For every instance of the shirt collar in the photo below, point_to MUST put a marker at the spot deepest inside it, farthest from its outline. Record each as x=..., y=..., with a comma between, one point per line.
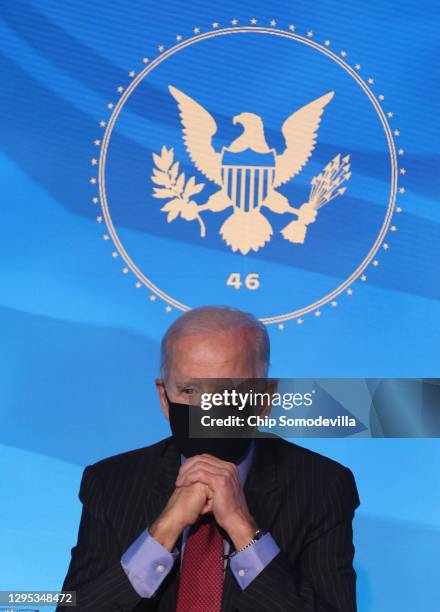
x=243, y=466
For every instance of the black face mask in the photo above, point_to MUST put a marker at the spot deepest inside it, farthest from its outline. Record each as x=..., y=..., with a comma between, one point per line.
x=216, y=440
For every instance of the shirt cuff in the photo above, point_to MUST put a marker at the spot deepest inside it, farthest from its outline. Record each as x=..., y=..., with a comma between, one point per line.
x=146, y=563
x=248, y=563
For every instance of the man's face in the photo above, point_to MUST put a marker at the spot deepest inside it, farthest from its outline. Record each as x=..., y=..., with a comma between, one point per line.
x=203, y=356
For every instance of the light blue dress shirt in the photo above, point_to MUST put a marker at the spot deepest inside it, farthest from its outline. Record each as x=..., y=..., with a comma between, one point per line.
x=147, y=563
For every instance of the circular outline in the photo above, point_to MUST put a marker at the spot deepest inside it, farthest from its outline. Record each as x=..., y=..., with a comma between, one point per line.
x=260, y=30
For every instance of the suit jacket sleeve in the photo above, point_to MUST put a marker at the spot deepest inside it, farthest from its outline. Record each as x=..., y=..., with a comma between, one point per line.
x=322, y=579
x=95, y=571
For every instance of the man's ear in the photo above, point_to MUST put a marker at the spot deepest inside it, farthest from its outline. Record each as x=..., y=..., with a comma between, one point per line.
x=162, y=397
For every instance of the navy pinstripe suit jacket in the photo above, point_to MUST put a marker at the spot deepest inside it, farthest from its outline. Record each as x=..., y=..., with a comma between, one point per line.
x=305, y=500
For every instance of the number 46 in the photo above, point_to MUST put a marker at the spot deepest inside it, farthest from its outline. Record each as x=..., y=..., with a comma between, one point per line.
x=251, y=281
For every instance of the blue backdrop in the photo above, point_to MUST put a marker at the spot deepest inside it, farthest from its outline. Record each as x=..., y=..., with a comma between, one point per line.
x=79, y=349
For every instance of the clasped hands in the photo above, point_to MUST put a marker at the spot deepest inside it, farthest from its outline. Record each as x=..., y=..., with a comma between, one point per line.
x=206, y=484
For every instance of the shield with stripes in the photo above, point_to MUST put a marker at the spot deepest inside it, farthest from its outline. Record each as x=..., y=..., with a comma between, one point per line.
x=247, y=177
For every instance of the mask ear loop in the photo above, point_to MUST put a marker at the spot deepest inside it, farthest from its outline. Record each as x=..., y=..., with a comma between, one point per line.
x=167, y=396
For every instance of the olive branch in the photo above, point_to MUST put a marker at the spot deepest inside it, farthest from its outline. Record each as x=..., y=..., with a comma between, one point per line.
x=173, y=185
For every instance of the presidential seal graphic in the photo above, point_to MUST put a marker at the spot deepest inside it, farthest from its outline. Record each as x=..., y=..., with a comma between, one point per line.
x=248, y=173
x=249, y=164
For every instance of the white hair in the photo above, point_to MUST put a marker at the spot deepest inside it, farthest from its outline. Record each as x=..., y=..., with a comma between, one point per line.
x=217, y=319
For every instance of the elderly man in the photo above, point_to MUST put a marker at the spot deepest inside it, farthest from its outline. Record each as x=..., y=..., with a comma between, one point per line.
x=206, y=525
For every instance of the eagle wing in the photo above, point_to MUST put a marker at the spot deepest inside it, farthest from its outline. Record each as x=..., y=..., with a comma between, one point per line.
x=300, y=133
x=199, y=127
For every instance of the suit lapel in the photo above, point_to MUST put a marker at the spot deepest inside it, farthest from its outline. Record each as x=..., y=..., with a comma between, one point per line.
x=262, y=487
x=157, y=495
x=155, y=500
x=146, y=492
x=262, y=491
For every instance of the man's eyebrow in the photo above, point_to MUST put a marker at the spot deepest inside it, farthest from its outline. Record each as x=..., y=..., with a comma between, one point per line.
x=180, y=384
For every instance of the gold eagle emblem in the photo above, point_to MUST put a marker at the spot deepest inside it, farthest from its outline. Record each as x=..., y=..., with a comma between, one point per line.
x=248, y=173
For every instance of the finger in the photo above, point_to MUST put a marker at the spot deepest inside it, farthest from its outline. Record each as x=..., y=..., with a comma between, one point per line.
x=182, y=479
x=210, y=459
x=201, y=463
x=213, y=462
x=214, y=481
x=230, y=467
x=216, y=460
x=208, y=504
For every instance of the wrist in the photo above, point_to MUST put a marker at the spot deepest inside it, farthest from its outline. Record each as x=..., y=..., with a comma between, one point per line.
x=241, y=529
x=166, y=530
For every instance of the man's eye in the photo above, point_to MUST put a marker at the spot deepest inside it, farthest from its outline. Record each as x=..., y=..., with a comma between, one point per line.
x=188, y=391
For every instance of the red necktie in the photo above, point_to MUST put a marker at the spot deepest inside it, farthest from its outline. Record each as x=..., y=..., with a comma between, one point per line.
x=201, y=572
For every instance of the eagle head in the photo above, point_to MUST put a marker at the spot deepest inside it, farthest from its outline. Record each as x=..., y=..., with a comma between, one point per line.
x=247, y=119
x=252, y=136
